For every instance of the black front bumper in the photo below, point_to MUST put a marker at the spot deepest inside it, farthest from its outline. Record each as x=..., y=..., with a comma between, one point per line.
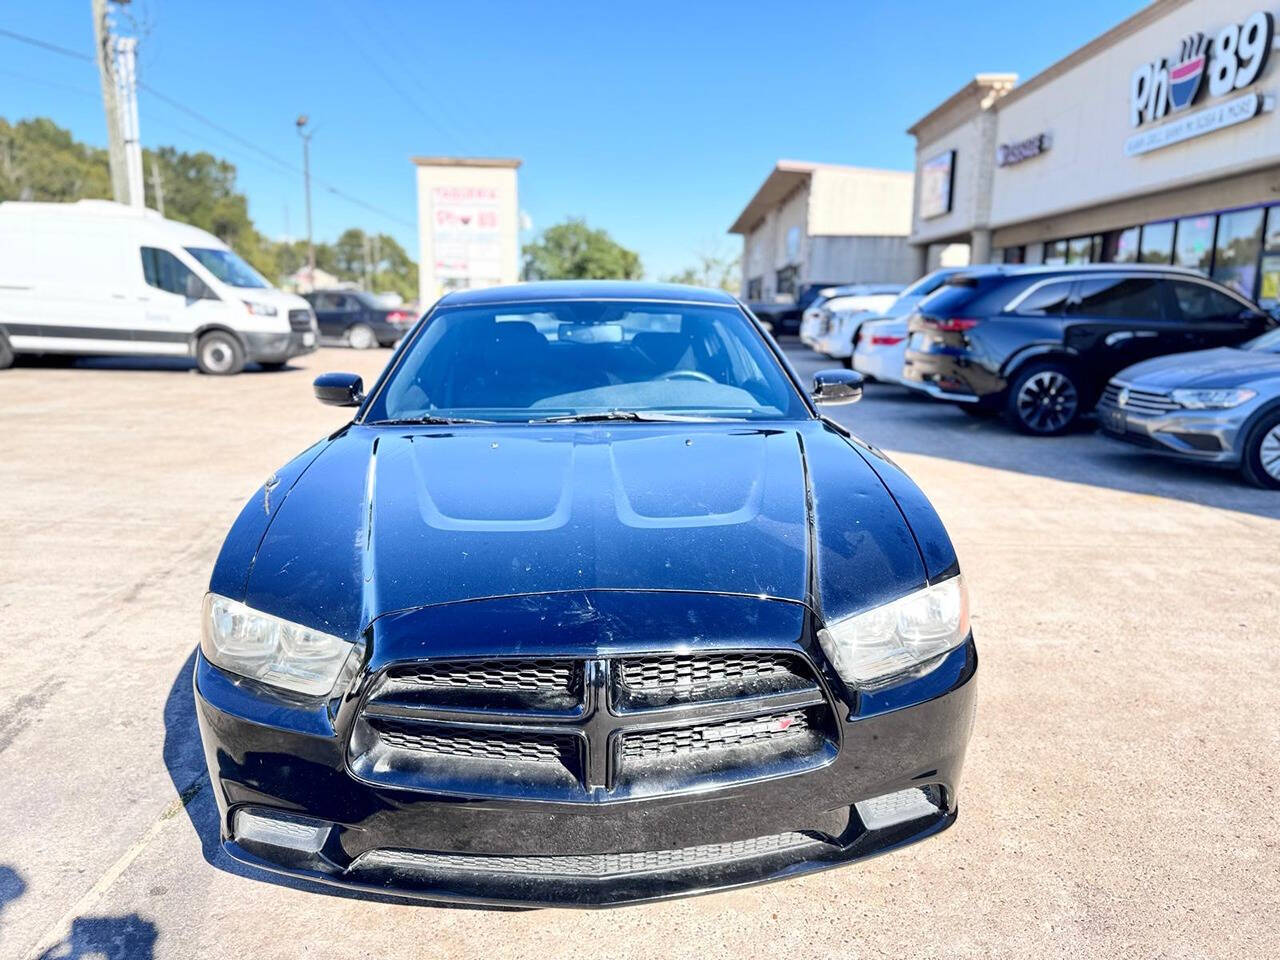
x=279, y=347
x=531, y=845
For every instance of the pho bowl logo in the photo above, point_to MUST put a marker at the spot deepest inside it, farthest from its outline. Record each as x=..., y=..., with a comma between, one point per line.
x=1187, y=70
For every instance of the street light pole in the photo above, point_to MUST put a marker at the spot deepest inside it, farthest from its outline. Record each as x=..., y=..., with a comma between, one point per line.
x=306, y=181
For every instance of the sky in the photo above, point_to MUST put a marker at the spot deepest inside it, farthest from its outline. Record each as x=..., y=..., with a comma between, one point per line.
x=655, y=121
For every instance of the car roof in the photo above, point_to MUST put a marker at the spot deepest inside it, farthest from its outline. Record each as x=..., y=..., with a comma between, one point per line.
x=1046, y=270
x=587, y=290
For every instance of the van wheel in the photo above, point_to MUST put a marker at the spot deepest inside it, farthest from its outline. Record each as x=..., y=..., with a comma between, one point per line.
x=219, y=353
x=361, y=336
x=6, y=353
x=1044, y=399
x=1260, y=463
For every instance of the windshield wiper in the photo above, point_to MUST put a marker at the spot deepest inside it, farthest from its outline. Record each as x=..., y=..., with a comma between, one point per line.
x=430, y=421
x=639, y=416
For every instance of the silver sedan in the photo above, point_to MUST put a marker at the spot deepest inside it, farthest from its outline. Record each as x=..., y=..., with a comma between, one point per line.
x=1218, y=406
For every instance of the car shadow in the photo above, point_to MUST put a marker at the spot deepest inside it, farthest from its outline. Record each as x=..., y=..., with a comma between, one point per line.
x=132, y=364
x=184, y=760
x=126, y=937
x=899, y=420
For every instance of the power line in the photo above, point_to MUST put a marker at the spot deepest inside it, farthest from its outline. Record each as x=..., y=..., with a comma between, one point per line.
x=201, y=118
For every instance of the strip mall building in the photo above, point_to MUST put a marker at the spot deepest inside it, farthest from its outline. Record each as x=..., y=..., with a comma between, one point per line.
x=1159, y=141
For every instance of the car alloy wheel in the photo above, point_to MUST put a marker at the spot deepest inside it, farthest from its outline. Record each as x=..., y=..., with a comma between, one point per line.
x=362, y=337
x=1260, y=460
x=219, y=353
x=1047, y=402
x=1269, y=453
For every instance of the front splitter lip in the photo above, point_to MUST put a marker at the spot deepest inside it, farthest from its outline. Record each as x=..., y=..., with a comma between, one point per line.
x=607, y=892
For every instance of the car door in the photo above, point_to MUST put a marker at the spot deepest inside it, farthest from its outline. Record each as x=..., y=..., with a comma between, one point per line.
x=1114, y=320
x=1213, y=317
x=175, y=303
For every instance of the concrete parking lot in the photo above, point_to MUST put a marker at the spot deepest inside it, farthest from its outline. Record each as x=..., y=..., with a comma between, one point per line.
x=1120, y=796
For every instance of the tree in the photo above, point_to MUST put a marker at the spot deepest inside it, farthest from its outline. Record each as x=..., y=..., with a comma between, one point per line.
x=573, y=251
x=711, y=271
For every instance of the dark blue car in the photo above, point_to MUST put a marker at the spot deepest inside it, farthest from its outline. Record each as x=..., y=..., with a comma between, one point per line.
x=587, y=605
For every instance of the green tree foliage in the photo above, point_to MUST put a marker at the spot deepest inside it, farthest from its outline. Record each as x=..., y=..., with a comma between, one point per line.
x=573, y=251
x=711, y=271
x=41, y=161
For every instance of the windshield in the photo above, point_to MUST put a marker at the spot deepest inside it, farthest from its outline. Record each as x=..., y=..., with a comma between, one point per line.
x=574, y=358
x=1269, y=342
x=228, y=267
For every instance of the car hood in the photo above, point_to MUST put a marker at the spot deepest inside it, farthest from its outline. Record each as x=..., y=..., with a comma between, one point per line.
x=1223, y=367
x=386, y=519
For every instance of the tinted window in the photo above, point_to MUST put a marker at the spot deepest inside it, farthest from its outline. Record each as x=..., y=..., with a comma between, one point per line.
x=1235, y=259
x=334, y=302
x=1201, y=303
x=161, y=269
x=1194, y=245
x=1120, y=246
x=1046, y=301
x=1117, y=298
x=518, y=362
x=1157, y=243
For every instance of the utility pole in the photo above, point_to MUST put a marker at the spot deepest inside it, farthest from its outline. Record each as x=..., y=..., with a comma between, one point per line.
x=104, y=48
x=157, y=186
x=306, y=184
x=126, y=49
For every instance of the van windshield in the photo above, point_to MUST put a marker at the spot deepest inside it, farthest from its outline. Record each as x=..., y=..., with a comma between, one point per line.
x=228, y=267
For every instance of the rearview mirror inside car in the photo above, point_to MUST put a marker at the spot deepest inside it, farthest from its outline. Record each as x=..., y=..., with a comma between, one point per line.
x=837, y=386
x=340, y=389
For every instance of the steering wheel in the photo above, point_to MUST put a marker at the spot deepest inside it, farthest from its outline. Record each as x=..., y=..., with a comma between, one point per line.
x=686, y=375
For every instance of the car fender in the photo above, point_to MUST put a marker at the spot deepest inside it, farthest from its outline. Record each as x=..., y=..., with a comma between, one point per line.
x=1037, y=351
x=208, y=327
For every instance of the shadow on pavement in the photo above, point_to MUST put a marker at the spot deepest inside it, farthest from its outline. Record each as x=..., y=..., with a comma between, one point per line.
x=184, y=759
x=899, y=420
x=131, y=364
x=127, y=937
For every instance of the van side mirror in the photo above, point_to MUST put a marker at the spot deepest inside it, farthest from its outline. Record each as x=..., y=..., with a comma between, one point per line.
x=340, y=389
x=837, y=386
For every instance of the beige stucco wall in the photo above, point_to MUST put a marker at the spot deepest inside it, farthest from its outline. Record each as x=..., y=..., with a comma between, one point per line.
x=860, y=202
x=974, y=143
x=501, y=179
x=764, y=249
x=1086, y=109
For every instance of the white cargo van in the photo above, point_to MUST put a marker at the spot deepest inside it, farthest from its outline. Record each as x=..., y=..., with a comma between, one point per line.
x=95, y=277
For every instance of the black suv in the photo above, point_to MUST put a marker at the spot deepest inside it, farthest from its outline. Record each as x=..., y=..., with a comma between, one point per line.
x=1040, y=343
x=359, y=318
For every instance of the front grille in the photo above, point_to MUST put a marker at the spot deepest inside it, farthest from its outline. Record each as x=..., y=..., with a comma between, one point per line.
x=300, y=319
x=488, y=745
x=574, y=729
x=1147, y=403
x=715, y=736
x=492, y=674
x=586, y=866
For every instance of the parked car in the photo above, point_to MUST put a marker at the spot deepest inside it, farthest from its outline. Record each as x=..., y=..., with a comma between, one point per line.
x=586, y=605
x=842, y=316
x=1217, y=406
x=1040, y=343
x=100, y=278
x=785, y=315
x=880, y=343
x=359, y=319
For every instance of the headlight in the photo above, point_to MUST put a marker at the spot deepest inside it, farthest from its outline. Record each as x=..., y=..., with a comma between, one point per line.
x=1212, y=399
x=899, y=635
x=288, y=655
x=260, y=309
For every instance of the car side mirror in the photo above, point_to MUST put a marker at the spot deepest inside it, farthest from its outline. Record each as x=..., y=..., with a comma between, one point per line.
x=340, y=389
x=837, y=386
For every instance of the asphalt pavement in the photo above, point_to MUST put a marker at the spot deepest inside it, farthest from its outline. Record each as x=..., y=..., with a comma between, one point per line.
x=1120, y=796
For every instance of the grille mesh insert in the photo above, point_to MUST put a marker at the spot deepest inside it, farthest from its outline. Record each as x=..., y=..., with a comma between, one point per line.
x=531, y=675
x=588, y=865
x=713, y=736
x=658, y=673
x=535, y=747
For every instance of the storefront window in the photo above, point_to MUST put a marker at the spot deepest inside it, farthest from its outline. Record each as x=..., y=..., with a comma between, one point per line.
x=1080, y=250
x=1269, y=281
x=1193, y=246
x=1055, y=253
x=786, y=282
x=1235, y=258
x=1157, y=243
x=1013, y=255
x=1119, y=246
x=755, y=288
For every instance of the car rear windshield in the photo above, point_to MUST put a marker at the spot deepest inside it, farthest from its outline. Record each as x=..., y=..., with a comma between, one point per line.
x=534, y=361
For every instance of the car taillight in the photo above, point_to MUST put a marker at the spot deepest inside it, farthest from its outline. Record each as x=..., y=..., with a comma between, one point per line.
x=398, y=316
x=954, y=324
x=885, y=340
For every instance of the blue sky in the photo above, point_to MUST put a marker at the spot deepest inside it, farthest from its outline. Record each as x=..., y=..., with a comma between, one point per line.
x=657, y=123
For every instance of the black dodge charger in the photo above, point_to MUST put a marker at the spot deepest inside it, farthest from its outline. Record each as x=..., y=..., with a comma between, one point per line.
x=587, y=605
